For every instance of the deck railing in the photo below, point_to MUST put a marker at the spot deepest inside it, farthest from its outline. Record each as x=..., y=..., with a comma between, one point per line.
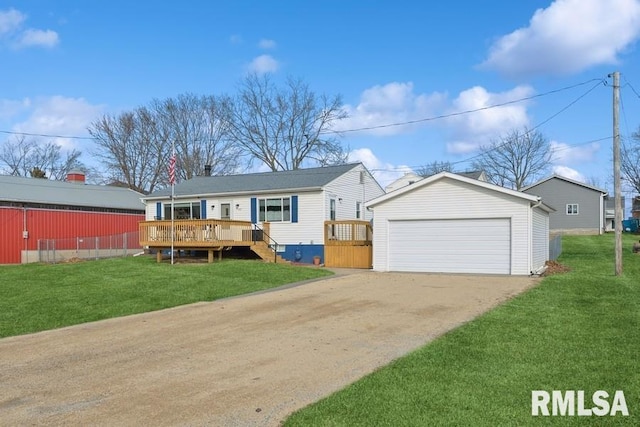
x=348, y=233
x=198, y=233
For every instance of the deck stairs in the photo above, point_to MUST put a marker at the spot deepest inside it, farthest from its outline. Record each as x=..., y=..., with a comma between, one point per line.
x=267, y=253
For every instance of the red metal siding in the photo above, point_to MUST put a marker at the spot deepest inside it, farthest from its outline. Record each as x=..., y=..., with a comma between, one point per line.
x=56, y=224
x=11, y=242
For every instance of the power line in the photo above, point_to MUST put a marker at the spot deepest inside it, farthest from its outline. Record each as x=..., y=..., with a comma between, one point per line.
x=44, y=135
x=404, y=123
x=460, y=113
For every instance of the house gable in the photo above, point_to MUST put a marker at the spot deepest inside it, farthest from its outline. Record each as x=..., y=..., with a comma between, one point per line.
x=578, y=207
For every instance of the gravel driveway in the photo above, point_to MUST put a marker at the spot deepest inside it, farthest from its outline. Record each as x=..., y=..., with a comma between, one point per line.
x=242, y=361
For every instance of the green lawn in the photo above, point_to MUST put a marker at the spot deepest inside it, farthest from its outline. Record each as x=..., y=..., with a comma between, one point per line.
x=575, y=331
x=38, y=297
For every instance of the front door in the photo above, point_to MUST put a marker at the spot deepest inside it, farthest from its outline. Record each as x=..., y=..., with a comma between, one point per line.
x=225, y=211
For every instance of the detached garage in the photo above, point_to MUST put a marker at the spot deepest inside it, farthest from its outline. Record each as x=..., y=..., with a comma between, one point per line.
x=449, y=223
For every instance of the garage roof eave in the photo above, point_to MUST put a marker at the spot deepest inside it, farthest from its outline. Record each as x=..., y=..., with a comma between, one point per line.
x=442, y=175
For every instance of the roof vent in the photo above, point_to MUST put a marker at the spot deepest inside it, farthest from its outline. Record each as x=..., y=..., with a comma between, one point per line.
x=76, y=176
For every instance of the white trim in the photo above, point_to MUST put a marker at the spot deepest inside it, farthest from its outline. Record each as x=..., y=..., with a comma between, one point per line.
x=455, y=177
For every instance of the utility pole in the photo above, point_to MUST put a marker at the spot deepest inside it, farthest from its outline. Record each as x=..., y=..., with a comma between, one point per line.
x=616, y=172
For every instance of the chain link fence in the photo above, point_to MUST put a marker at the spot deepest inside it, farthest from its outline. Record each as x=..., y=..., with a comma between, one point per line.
x=555, y=246
x=63, y=250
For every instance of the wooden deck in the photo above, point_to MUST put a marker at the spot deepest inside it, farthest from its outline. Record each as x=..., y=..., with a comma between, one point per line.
x=204, y=234
x=348, y=244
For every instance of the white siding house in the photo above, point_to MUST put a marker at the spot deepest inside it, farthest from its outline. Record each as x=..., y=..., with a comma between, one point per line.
x=454, y=224
x=294, y=203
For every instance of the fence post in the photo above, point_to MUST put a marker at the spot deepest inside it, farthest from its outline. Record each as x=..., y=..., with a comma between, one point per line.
x=124, y=244
x=54, y=250
x=97, y=244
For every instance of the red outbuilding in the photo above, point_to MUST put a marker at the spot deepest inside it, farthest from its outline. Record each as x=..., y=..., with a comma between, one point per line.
x=34, y=210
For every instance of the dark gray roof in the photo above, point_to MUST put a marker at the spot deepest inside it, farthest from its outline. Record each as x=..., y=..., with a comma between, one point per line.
x=312, y=178
x=44, y=191
x=471, y=174
x=563, y=178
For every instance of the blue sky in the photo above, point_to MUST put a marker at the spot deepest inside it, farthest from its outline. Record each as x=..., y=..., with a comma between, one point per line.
x=67, y=63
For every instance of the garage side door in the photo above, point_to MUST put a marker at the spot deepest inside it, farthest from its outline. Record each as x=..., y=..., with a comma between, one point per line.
x=451, y=246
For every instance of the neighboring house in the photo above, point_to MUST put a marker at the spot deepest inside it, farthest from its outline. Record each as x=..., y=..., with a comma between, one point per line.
x=32, y=209
x=610, y=212
x=635, y=207
x=295, y=203
x=410, y=178
x=407, y=179
x=449, y=223
x=579, y=207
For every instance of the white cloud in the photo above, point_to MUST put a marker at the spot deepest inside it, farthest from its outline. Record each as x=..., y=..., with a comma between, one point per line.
x=388, y=104
x=568, y=172
x=44, y=38
x=384, y=173
x=567, y=37
x=58, y=115
x=10, y=108
x=486, y=122
x=235, y=39
x=267, y=44
x=263, y=64
x=563, y=153
x=11, y=23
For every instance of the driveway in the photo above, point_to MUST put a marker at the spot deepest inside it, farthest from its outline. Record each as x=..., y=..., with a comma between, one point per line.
x=241, y=361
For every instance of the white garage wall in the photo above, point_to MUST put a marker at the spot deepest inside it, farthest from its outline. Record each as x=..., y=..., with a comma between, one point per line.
x=540, y=239
x=448, y=199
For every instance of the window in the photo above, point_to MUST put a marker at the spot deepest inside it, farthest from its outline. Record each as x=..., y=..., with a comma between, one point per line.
x=274, y=210
x=358, y=210
x=572, y=209
x=332, y=209
x=182, y=210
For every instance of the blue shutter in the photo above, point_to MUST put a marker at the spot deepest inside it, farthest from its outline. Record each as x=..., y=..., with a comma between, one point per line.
x=203, y=209
x=294, y=208
x=254, y=210
x=158, y=210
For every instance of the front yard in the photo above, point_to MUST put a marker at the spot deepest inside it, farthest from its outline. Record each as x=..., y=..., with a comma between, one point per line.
x=575, y=331
x=37, y=297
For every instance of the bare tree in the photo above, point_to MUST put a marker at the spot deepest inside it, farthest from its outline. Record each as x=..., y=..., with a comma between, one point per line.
x=630, y=161
x=130, y=149
x=516, y=159
x=135, y=146
x=286, y=126
x=434, y=168
x=29, y=157
x=199, y=126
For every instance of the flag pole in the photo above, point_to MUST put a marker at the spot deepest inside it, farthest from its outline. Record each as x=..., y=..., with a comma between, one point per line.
x=172, y=179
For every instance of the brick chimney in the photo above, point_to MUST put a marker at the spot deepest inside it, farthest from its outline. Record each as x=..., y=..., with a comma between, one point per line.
x=76, y=176
x=207, y=170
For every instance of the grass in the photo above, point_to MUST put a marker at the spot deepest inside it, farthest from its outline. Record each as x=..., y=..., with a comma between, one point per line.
x=575, y=331
x=37, y=297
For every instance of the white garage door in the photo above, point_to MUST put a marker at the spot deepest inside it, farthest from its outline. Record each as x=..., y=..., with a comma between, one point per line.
x=451, y=246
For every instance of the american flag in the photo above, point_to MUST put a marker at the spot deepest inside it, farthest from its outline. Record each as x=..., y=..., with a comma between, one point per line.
x=172, y=169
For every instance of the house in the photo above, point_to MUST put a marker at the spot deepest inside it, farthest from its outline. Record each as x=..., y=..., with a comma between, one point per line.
x=409, y=178
x=610, y=212
x=449, y=223
x=288, y=208
x=635, y=207
x=579, y=207
x=34, y=209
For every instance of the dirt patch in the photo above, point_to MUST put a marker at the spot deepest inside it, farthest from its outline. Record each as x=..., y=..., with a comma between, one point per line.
x=554, y=267
x=241, y=361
